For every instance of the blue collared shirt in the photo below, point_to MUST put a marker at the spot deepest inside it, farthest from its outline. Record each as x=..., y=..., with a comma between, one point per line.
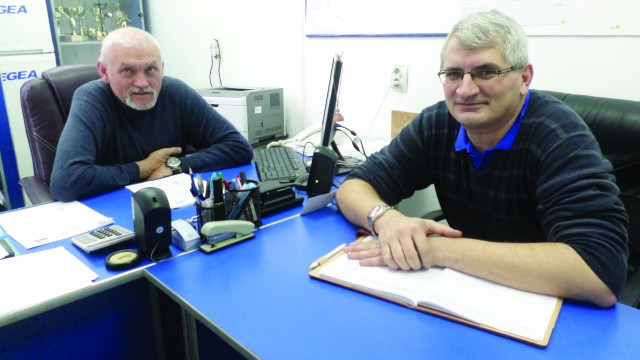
x=481, y=160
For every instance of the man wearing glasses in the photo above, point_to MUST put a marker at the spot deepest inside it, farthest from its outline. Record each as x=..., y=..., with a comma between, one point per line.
x=520, y=178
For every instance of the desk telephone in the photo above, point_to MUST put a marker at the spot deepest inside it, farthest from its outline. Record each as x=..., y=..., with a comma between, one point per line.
x=300, y=138
x=313, y=135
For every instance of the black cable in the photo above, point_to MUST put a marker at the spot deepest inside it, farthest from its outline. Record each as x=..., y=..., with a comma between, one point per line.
x=219, y=74
x=211, y=70
x=304, y=151
x=219, y=61
x=353, y=142
x=152, y=251
x=213, y=60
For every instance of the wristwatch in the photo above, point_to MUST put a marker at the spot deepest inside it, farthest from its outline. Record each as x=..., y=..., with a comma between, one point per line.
x=374, y=214
x=174, y=164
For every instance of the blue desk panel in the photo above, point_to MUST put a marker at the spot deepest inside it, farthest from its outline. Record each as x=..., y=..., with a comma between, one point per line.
x=260, y=295
x=115, y=324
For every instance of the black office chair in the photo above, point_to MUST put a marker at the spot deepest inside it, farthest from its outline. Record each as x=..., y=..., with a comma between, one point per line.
x=615, y=124
x=46, y=101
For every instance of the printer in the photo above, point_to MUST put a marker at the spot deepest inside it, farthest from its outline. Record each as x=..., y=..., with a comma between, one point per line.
x=258, y=113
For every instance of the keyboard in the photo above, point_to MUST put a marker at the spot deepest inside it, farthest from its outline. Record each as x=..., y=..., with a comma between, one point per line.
x=279, y=163
x=101, y=238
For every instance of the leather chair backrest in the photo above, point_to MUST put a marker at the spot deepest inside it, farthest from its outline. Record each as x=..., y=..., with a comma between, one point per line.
x=46, y=102
x=615, y=123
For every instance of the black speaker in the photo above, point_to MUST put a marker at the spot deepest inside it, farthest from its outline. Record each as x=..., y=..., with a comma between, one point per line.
x=322, y=172
x=152, y=223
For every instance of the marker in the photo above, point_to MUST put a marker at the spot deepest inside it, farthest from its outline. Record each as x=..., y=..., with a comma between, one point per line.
x=218, y=200
x=326, y=258
x=226, y=184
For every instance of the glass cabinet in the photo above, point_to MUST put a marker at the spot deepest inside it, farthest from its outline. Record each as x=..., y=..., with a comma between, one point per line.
x=80, y=25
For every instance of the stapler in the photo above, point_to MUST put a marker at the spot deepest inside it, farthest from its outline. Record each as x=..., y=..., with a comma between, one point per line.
x=221, y=234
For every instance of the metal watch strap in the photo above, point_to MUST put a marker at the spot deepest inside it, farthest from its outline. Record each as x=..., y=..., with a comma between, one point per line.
x=379, y=211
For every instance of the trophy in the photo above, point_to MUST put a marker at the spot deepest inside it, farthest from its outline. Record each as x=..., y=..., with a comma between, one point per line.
x=72, y=13
x=57, y=16
x=82, y=13
x=120, y=16
x=99, y=14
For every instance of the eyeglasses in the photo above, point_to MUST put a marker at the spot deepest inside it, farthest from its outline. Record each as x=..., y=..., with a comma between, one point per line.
x=455, y=76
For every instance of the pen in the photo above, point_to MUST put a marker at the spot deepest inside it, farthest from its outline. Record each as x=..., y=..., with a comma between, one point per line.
x=326, y=258
x=194, y=190
x=199, y=183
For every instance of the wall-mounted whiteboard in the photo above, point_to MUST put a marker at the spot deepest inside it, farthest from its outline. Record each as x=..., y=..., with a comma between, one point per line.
x=335, y=18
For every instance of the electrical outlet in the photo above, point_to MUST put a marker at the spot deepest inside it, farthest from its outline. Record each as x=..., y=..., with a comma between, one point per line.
x=399, y=78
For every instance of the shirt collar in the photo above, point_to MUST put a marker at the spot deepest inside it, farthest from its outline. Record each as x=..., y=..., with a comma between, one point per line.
x=506, y=143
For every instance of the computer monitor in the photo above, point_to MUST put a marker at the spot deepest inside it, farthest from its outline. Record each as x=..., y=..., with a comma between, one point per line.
x=328, y=122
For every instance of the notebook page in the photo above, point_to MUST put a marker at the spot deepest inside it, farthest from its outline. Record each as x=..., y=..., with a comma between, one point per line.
x=396, y=284
x=518, y=312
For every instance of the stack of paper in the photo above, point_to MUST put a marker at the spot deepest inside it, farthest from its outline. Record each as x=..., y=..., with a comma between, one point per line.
x=33, y=278
x=43, y=224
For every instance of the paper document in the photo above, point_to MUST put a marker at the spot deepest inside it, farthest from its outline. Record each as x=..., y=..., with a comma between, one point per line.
x=32, y=278
x=176, y=187
x=43, y=224
x=506, y=309
x=317, y=202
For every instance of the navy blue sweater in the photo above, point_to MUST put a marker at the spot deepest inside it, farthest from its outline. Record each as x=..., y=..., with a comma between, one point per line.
x=553, y=185
x=103, y=138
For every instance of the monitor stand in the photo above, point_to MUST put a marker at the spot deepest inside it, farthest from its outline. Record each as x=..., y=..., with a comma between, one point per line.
x=341, y=169
x=301, y=182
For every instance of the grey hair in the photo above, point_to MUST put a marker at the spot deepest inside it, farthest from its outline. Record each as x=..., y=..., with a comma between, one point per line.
x=129, y=37
x=491, y=29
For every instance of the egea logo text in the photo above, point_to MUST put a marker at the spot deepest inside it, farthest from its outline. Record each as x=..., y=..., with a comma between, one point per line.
x=19, y=75
x=13, y=9
x=16, y=75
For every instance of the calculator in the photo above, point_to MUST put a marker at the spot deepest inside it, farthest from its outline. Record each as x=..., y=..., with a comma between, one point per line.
x=102, y=238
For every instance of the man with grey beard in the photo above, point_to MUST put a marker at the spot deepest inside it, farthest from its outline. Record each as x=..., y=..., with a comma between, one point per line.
x=123, y=129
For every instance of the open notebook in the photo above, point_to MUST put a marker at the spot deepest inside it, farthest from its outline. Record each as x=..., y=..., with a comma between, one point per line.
x=447, y=293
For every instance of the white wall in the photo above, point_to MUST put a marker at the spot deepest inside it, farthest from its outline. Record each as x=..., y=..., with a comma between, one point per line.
x=263, y=44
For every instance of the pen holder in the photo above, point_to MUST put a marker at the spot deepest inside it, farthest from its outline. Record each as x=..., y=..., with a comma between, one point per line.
x=244, y=204
x=207, y=211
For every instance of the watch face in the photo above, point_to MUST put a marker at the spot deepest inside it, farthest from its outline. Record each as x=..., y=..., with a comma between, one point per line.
x=376, y=210
x=173, y=162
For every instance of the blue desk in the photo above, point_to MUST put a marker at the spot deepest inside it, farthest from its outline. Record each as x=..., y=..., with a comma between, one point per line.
x=257, y=297
x=117, y=205
x=117, y=308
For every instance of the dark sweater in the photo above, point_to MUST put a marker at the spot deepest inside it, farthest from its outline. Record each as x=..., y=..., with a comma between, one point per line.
x=553, y=185
x=103, y=138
